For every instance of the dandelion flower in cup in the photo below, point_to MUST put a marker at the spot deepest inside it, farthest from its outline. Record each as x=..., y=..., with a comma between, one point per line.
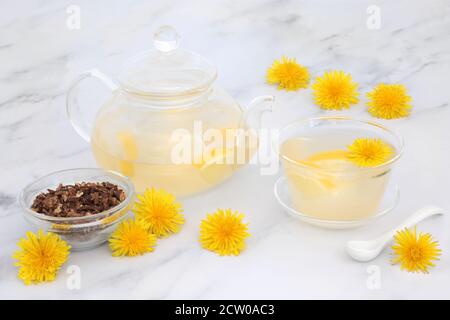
x=335, y=90
x=369, y=152
x=389, y=101
x=131, y=238
x=40, y=256
x=288, y=74
x=415, y=252
x=159, y=212
x=224, y=232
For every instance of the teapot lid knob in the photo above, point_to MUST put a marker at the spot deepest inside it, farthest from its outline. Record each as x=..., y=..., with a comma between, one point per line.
x=166, y=39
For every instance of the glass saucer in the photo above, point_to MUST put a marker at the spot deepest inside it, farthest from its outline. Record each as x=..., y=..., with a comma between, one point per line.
x=389, y=202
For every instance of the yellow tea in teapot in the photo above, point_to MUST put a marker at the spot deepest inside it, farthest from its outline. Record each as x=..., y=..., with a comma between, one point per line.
x=145, y=151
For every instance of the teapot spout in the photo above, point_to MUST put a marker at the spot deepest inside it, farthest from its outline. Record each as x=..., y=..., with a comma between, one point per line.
x=258, y=107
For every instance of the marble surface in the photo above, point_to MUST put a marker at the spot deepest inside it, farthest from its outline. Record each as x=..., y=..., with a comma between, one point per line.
x=40, y=56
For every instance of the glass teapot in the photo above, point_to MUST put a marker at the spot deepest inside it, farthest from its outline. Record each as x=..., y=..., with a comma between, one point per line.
x=166, y=124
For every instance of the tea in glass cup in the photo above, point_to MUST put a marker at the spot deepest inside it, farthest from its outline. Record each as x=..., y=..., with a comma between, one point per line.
x=337, y=168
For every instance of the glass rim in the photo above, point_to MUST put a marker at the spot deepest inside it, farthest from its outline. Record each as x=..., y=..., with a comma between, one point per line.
x=341, y=118
x=86, y=220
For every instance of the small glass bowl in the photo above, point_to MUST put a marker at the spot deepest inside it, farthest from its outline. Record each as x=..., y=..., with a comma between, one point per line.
x=81, y=233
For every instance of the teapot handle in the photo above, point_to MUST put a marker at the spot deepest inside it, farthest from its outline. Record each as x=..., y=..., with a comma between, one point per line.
x=73, y=109
x=257, y=108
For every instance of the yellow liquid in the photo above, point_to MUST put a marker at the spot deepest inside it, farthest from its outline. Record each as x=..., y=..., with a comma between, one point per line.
x=324, y=184
x=143, y=153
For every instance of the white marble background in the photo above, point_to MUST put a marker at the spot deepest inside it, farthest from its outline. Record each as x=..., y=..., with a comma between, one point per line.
x=39, y=56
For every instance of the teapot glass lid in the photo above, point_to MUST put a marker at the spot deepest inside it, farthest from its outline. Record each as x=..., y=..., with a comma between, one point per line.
x=167, y=70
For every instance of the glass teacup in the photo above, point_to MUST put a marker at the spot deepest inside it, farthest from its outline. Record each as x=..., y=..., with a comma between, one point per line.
x=322, y=181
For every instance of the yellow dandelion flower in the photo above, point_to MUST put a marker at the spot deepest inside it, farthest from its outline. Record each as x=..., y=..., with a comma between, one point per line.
x=131, y=238
x=288, y=74
x=369, y=152
x=40, y=256
x=415, y=252
x=159, y=212
x=389, y=101
x=224, y=232
x=335, y=90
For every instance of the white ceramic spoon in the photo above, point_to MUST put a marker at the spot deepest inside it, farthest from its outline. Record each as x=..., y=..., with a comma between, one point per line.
x=370, y=249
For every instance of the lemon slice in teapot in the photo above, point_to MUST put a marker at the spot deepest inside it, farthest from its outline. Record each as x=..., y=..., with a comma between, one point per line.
x=130, y=152
x=216, y=164
x=219, y=156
